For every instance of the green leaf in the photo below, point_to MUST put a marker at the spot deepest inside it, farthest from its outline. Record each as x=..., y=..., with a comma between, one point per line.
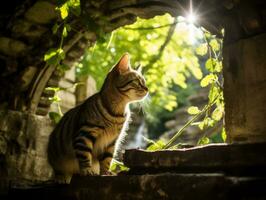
x=213, y=65
x=209, y=122
x=193, y=110
x=64, y=33
x=158, y=145
x=56, y=89
x=55, y=99
x=61, y=54
x=74, y=6
x=170, y=105
x=64, y=10
x=197, y=73
x=217, y=114
x=202, y=49
x=201, y=125
x=204, y=140
x=210, y=64
x=117, y=166
x=55, y=117
x=55, y=28
x=214, y=92
x=207, y=80
x=218, y=67
x=224, y=136
x=215, y=45
x=51, y=56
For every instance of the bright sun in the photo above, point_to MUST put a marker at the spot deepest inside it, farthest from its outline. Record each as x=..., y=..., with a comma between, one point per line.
x=191, y=18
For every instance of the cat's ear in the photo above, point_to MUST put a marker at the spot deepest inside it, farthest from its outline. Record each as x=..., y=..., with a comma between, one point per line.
x=124, y=64
x=139, y=69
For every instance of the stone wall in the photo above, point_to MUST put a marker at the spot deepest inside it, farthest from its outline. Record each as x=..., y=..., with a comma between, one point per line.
x=244, y=89
x=23, y=145
x=24, y=137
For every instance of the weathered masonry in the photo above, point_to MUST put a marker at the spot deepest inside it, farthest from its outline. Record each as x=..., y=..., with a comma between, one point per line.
x=25, y=36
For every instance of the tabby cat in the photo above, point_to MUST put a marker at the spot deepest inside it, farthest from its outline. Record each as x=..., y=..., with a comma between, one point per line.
x=84, y=140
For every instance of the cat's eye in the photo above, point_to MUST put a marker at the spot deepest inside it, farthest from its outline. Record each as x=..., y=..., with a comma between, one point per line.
x=137, y=82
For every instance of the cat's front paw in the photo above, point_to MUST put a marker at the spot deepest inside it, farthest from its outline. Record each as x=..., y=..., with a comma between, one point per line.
x=63, y=179
x=88, y=172
x=107, y=172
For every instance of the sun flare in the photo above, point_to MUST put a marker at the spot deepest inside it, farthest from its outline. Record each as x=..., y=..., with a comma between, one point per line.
x=191, y=18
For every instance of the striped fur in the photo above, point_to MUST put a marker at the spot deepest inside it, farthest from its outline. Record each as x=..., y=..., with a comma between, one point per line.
x=84, y=140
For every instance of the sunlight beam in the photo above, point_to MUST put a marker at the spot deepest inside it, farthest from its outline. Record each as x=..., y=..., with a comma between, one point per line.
x=191, y=18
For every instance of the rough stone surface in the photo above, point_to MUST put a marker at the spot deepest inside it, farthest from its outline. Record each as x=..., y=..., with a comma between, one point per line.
x=85, y=90
x=41, y=12
x=233, y=159
x=28, y=30
x=68, y=100
x=12, y=47
x=71, y=74
x=24, y=140
x=152, y=187
x=244, y=89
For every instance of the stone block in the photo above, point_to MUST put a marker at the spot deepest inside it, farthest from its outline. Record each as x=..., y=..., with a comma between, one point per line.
x=71, y=74
x=67, y=85
x=234, y=159
x=68, y=100
x=244, y=89
x=24, y=144
x=42, y=12
x=12, y=47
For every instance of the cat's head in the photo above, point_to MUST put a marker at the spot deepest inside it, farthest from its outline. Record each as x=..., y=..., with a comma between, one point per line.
x=124, y=80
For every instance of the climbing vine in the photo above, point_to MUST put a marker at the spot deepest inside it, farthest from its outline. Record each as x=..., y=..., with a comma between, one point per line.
x=54, y=56
x=214, y=110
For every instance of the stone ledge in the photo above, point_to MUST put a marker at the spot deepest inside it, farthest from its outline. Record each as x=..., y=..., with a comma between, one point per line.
x=151, y=187
x=237, y=159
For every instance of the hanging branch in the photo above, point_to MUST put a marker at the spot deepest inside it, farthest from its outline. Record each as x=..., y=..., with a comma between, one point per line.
x=155, y=58
x=150, y=27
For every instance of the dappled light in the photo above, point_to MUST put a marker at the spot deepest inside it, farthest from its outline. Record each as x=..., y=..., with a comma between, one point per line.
x=132, y=99
x=176, y=64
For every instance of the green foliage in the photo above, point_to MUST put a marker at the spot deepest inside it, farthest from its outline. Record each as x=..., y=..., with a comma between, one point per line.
x=177, y=63
x=55, y=117
x=224, y=136
x=214, y=81
x=204, y=140
x=193, y=110
x=117, y=166
x=54, y=56
x=167, y=72
x=208, y=79
x=63, y=10
x=67, y=6
x=152, y=145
